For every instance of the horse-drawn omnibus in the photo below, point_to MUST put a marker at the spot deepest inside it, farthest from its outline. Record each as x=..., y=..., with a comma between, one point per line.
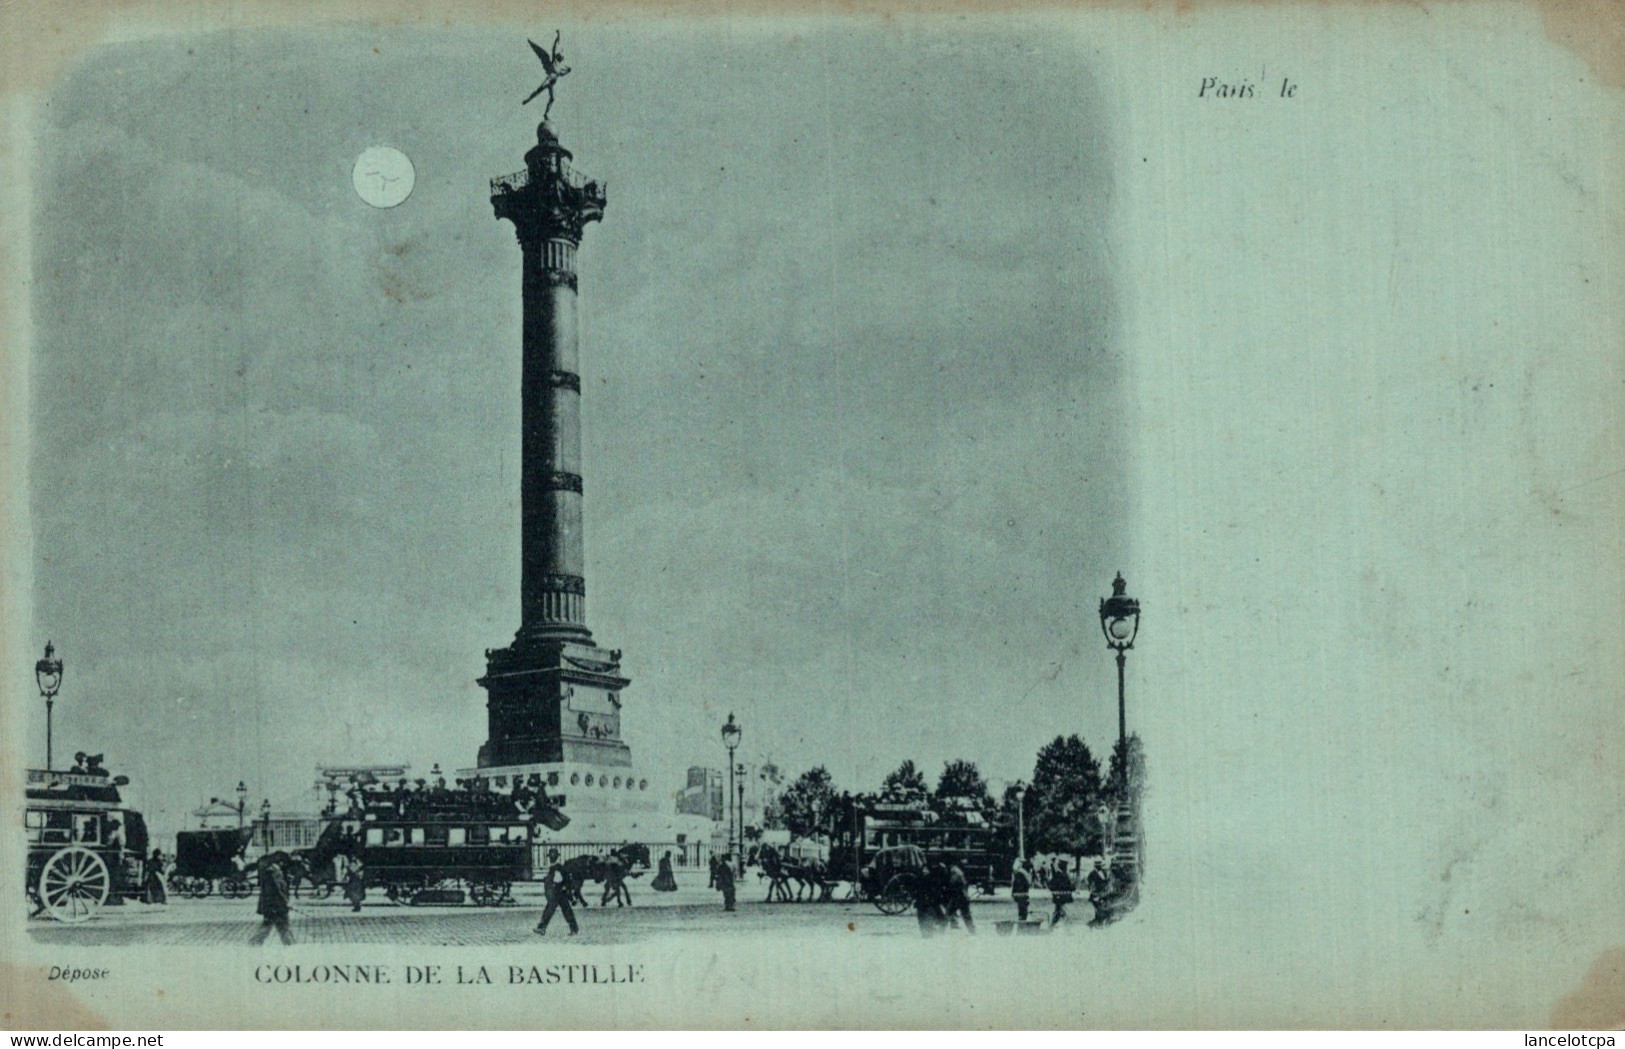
x=432, y=845
x=878, y=845
x=84, y=847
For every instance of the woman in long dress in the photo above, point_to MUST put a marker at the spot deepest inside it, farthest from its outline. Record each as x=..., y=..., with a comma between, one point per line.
x=665, y=881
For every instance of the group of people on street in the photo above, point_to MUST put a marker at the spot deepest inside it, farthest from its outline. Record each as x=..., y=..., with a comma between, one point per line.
x=1061, y=885
x=942, y=899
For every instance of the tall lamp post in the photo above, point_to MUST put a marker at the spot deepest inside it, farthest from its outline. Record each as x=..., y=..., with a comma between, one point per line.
x=241, y=808
x=48, y=672
x=1120, y=621
x=739, y=857
x=1021, y=820
x=730, y=739
x=265, y=825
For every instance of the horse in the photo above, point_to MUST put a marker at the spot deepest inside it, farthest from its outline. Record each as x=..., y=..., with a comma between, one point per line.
x=581, y=869
x=775, y=870
x=810, y=876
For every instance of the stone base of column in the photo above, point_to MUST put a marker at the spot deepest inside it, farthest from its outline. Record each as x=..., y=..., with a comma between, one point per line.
x=554, y=700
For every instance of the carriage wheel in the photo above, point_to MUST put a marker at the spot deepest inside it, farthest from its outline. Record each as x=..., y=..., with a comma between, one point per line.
x=73, y=884
x=234, y=888
x=897, y=896
x=199, y=888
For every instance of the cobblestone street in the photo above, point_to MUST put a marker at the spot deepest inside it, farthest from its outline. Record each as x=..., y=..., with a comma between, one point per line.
x=213, y=921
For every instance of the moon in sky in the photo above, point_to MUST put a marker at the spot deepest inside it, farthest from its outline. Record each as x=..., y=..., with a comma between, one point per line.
x=383, y=176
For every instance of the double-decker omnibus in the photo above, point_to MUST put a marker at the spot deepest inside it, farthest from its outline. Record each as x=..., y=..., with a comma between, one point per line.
x=948, y=832
x=436, y=845
x=84, y=846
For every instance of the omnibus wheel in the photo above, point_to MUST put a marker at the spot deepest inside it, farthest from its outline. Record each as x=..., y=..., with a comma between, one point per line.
x=74, y=884
x=897, y=896
x=489, y=893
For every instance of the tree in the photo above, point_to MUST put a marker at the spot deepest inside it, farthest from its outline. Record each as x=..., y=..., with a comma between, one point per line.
x=1065, y=793
x=806, y=801
x=904, y=784
x=962, y=779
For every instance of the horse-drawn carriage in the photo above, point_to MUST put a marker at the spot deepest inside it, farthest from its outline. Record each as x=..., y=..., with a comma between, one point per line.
x=892, y=878
x=84, y=848
x=884, y=848
x=209, y=862
x=432, y=846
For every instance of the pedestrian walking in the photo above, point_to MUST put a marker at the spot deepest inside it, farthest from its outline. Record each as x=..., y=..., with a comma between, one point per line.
x=711, y=882
x=615, y=883
x=152, y=879
x=1021, y=887
x=956, y=897
x=1100, y=888
x=665, y=881
x=1060, y=891
x=725, y=881
x=557, y=886
x=273, y=907
x=928, y=894
x=355, y=883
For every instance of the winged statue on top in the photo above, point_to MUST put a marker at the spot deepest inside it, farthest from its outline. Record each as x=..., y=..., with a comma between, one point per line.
x=553, y=63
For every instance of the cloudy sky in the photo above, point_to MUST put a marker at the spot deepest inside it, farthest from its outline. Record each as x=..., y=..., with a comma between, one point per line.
x=854, y=461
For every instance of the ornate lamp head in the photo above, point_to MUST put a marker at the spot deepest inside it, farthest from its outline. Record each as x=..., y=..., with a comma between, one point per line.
x=48, y=672
x=731, y=733
x=1119, y=616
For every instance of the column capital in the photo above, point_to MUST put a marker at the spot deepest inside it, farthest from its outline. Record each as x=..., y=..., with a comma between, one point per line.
x=548, y=200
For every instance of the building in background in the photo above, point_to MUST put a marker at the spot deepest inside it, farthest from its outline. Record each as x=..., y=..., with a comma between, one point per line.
x=704, y=794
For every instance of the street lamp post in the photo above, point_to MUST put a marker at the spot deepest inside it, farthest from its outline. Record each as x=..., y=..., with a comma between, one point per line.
x=739, y=857
x=265, y=826
x=242, y=802
x=1021, y=820
x=48, y=672
x=1120, y=621
x=730, y=739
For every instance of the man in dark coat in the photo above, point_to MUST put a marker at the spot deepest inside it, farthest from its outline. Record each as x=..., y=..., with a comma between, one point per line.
x=152, y=879
x=725, y=881
x=557, y=885
x=956, y=897
x=355, y=883
x=273, y=908
x=1100, y=887
x=1021, y=887
x=1060, y=891
x=929, y=890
